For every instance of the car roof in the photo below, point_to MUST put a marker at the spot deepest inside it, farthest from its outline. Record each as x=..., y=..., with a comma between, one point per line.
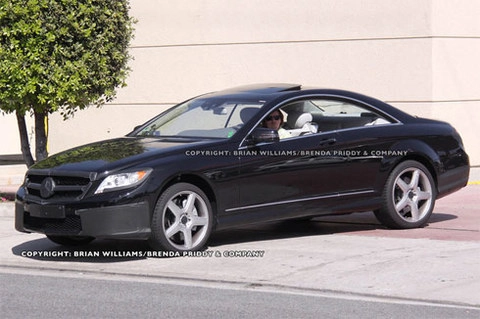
x=267, y=88
x=269, y=92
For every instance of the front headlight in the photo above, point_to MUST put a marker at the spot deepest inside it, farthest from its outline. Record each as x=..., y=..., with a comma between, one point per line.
x=123, y=180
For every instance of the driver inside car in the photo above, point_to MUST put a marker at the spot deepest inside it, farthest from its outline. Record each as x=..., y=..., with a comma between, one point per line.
x=275, y=121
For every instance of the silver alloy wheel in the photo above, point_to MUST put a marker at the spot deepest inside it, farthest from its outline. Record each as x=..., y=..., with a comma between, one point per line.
x=185, y=220
x=412, y=194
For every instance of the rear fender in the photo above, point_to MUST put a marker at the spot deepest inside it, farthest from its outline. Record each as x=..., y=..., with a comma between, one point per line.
x=413, y=150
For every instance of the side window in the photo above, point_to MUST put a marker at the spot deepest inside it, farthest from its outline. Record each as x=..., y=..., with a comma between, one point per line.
x=323, y=115
x=242, y=114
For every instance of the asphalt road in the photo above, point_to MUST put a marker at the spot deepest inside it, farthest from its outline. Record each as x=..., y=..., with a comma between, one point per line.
x=334, y=266
x=44, y=294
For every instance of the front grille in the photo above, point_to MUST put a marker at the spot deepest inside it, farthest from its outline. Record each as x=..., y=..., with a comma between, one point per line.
x=57, y=186
x=71, y=225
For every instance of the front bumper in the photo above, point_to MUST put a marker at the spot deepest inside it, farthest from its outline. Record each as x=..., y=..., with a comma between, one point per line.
x=128, y=221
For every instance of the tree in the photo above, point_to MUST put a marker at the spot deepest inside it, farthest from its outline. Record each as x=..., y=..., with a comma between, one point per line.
x=60, y=56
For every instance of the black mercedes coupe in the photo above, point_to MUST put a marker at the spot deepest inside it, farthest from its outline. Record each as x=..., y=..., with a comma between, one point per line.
x=245, y=155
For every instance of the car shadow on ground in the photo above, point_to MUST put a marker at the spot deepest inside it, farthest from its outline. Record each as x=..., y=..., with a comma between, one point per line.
x=325, y=225
x=109, y=251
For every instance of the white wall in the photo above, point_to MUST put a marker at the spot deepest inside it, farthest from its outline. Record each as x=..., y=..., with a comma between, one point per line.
x=9, y=130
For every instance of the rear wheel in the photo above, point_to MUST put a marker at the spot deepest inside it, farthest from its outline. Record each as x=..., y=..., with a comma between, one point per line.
x=408, y=197
x=182, y=219
x=70, y=240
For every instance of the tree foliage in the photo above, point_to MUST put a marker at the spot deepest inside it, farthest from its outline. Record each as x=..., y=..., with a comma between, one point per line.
x=61, y=55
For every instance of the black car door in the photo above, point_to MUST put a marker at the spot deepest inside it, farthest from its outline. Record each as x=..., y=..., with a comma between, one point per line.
x=289, y=178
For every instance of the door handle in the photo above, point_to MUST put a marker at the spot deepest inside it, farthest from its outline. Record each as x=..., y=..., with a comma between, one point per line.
x=327, y=141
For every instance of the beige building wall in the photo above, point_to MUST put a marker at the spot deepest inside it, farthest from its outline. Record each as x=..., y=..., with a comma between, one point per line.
x=9, y=130
x=419, y=55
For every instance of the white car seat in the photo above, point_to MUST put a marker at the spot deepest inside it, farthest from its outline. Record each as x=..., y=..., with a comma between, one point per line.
x=301, y=124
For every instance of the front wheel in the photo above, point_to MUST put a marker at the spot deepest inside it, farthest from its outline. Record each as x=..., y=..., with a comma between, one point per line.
x=408, y=197
x=182, y=219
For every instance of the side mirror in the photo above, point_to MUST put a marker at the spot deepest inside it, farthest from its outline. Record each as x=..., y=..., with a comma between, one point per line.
x=263, y=135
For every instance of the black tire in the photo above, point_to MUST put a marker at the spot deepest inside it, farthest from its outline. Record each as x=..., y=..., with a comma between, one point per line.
x=408, y=197
x=70, y=240
x=182, y=219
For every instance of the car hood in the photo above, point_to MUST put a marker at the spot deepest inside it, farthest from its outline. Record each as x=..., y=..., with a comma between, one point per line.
x=116, y=154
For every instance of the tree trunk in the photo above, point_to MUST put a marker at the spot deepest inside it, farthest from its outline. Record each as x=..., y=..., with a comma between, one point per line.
x=25, y=145
x=41, y=135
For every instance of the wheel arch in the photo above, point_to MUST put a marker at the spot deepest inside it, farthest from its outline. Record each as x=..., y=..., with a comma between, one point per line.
x=194, y=180
x=418, y=151
x=422, y=159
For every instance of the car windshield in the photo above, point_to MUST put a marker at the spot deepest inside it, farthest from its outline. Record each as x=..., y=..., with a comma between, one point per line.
x=202, y=117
